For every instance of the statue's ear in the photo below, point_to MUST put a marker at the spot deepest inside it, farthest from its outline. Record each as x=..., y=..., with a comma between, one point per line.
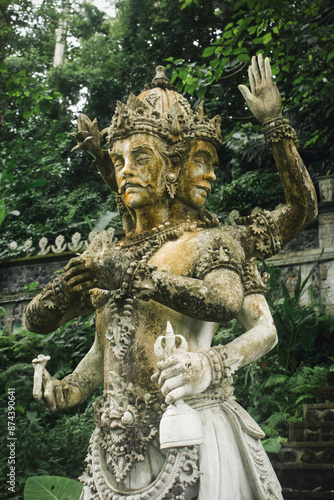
x=175, y=165
x=173, y=175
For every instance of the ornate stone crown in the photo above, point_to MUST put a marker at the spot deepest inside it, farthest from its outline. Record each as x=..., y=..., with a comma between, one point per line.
x=162, y=111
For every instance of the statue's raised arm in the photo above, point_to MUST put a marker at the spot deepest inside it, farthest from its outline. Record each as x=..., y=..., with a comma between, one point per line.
x=264, y=101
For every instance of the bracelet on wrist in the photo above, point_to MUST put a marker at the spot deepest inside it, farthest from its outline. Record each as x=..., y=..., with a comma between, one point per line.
x=216, y=357
x=61, y=298
x=276, y=129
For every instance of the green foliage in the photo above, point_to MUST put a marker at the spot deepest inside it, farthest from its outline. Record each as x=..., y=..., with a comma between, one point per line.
x=52, y=488
x=298, y=38
x=304, y=329
x=45, y=440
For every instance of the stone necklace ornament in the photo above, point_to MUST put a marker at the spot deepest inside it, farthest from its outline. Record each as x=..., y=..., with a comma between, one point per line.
x=139, y=249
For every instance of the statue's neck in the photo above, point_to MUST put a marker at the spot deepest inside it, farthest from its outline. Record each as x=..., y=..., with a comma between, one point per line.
x=146, y=218
x=151, y=216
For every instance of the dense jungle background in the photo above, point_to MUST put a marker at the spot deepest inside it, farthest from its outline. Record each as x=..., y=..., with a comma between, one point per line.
x=46, y=190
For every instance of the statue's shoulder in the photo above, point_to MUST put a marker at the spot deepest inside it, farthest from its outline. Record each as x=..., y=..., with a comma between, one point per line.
x=231, y=236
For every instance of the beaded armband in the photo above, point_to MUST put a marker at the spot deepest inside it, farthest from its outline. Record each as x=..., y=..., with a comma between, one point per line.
x=251, y=279
x=216, y=357
x=53, y=296
x=219, y=256
x=277, y=129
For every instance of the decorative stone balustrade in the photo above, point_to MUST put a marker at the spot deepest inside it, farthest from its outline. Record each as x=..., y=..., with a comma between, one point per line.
x=60, y=246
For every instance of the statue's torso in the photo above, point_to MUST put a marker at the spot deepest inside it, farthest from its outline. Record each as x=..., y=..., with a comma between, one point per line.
x=128, y=329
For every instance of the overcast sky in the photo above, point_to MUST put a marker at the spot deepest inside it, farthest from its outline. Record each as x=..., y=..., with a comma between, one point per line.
x=105, y=6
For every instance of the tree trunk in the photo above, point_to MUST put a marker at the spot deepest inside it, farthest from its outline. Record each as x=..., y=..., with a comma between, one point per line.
x=59, y=55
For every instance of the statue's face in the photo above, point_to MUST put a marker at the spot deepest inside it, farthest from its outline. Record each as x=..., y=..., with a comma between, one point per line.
x=140, y=170
x=197, y=175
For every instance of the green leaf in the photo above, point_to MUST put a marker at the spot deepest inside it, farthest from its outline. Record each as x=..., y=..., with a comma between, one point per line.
x=252, y=30
x=267, y=38
x=52, y=488
x=27, y=114
x=271, y=445
x=243, y=57
x=208, y=51
x=2, y=213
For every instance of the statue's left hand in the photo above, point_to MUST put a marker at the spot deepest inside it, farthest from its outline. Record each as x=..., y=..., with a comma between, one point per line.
x=88, y=136
x=263, y=99
x=183, y=375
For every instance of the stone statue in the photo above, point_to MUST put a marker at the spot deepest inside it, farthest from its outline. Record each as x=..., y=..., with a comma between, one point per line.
x=175, y=264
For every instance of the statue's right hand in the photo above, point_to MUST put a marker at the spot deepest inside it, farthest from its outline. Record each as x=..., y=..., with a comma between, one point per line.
x=104, y=270
x=57, y=394
x=78, y=277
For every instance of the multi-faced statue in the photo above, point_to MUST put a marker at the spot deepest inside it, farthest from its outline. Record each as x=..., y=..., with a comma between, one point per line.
x=175, y=264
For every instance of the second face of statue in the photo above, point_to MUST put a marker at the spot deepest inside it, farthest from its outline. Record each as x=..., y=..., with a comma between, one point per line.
x=140, y=170
x=197, y=174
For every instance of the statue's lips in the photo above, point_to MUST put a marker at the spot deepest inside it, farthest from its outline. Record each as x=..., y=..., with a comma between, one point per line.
x=204, y=187
x=132, y=187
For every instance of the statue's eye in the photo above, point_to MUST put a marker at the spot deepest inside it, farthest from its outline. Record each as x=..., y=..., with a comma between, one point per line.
x=199, y=162
x=143, y=159
x=118, y=163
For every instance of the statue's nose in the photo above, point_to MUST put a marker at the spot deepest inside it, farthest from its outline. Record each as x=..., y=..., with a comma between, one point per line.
x=210, y=176
x=128, y=168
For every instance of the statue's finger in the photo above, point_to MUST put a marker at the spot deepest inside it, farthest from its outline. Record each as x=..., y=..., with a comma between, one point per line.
x=176, y=394
x=59, y=397
x=79, y=280
x=84, y=287
x=155, y=376
x=251, y=79
x=48, y=396
x=247, y=95
x=172, y=384
x=172, y=360
x=46, y=376
x=175, y=370
x=261, y=66
x=71, y=273
x=73, y=263
x=256, y=73
x=268, y=71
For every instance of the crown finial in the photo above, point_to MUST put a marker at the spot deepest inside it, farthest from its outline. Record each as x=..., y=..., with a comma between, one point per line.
x=160, y=76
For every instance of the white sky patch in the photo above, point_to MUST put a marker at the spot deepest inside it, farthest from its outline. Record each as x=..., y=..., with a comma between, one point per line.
x=106, y=6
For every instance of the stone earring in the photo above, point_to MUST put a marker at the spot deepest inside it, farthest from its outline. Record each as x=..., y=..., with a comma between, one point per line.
x=171, y=182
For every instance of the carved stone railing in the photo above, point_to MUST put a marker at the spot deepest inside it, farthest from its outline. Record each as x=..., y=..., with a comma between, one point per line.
x=60, y=246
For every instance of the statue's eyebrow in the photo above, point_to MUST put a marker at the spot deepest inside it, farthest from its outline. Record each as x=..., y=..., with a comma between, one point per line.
x=142, y=147
x=207, y=156
x=202, y=153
